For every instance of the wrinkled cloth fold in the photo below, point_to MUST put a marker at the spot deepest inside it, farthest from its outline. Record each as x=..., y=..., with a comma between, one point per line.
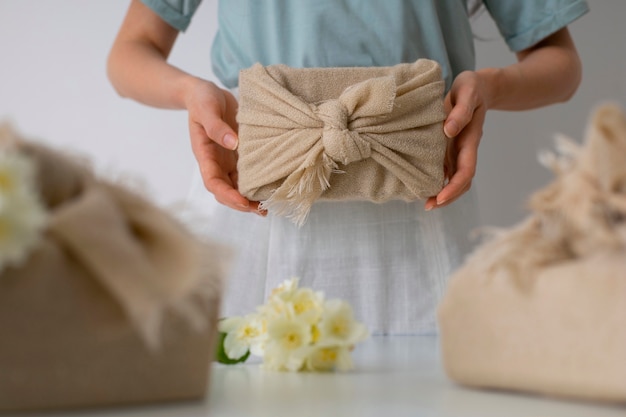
x=541, y=307
x=143, y=258
x=340, y=134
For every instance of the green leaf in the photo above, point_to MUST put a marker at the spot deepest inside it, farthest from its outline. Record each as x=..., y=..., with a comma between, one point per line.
x=221, y=355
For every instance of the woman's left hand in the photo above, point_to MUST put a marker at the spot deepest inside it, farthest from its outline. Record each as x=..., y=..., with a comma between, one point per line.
x=466, y=106
x=545, y=73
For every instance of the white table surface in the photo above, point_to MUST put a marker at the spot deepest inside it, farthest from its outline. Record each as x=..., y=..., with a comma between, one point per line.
x=393, y=377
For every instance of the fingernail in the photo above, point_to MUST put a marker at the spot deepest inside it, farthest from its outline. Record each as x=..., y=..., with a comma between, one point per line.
x=230, y=141
x=442, y=201
x=428, y=208
x=451, y=129
x=243, y=206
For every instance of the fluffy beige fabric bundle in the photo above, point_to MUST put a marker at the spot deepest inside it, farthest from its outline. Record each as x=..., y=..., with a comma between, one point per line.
x=340, y=134
x=118, y=303
x=542, y=307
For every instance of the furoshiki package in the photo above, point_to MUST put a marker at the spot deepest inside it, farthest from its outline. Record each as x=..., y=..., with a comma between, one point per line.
x=541, y=307
x=105, y=299
x=356, y=133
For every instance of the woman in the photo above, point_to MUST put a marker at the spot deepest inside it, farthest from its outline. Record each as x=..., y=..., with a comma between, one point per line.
x=390, y=261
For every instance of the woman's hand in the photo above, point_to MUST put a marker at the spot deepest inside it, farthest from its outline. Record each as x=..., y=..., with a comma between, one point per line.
x=545, y=73
x=138, y=68
x=212, y=129
x=466, y=106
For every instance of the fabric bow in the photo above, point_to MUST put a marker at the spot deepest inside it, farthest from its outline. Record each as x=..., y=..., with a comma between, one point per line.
x=340, y=142
x=145, y=260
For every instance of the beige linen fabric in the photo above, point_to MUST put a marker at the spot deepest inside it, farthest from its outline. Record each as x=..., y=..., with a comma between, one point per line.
x=542, y=307
x=117, y=304
x=372, y=133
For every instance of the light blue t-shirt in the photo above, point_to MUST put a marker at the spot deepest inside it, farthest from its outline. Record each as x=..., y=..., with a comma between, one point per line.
x=336, y=33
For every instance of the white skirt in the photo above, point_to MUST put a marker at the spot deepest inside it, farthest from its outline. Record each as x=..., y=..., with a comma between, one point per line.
x=389, y=261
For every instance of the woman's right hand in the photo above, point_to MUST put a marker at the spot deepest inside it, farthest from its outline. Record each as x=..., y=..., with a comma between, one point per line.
x=137, y=67
x=212, y=129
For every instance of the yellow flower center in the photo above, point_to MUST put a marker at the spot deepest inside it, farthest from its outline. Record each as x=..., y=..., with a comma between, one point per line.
x=302, y=306
x=6, y=182
x=340, y=328
x=315, y=333
x=292, y=341
x=249, y=332
x=328, y=355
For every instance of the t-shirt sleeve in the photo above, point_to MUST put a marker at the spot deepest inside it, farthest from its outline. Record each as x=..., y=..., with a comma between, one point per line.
x=176, y=13
x=523, y=23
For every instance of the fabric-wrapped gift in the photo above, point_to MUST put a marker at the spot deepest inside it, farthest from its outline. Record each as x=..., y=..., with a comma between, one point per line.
x=115, y=303
x=542, y=307
x=368, y=133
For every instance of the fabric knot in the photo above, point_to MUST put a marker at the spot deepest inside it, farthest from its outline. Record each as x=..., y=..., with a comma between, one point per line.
x=340, y=143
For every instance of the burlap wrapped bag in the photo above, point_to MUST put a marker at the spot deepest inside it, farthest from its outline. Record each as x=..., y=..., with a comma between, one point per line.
x=116, y=304
x=542, y=307
x=371, y=133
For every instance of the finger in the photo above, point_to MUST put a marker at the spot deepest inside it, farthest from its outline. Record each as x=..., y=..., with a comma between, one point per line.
x=224, y=189
x=217, y=177
x=447, y=102
x=460, y=116
x=231, y=110
x=449, y=163
x=456, y=197
x=199, y=141
x=216, y=113
x=467, y=157
x=213, y=160
x=460, y=103
x=225, y=194
x=221, y=185
x=234, y=178
x=219, y=131
x=431, y=203
x=463, y=176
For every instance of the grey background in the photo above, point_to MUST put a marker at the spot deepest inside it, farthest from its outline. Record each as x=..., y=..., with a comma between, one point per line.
x=53, y=87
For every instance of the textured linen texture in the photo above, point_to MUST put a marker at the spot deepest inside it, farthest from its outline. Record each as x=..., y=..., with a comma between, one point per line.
x=117, y=304
x=371, y=134
x=542, y=307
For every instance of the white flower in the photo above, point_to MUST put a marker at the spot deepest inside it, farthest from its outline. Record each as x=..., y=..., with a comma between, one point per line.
x=286, y=289
x=278, y=303
x=296, y=330
x=17, y=175
x=22, y=215
x=307, y=305
x=289, y=301
x=338, y=327
x=275, y=307
x=328, y=358
x=287, y=345
x=243, y=334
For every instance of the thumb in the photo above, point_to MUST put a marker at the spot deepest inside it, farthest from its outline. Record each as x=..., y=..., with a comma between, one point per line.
x=220, y=132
